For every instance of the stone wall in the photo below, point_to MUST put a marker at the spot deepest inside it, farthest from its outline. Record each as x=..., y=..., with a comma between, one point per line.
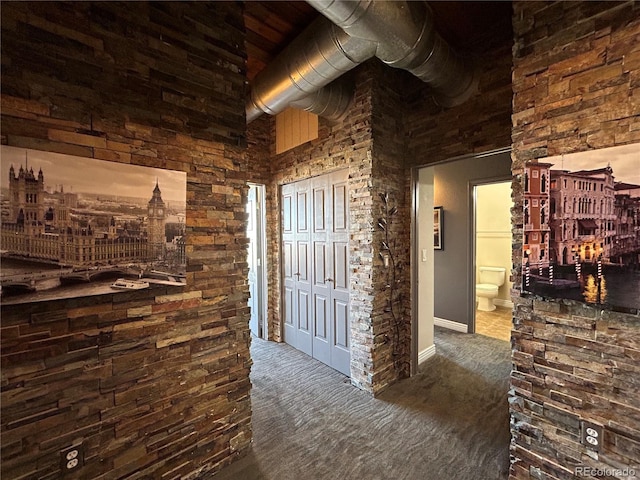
x=376, y=165
x=391, y=126
x=154, y=382
x=260, y=147
x=346, y=144
x=391, y=177
x=576, y=86
x=480, y=124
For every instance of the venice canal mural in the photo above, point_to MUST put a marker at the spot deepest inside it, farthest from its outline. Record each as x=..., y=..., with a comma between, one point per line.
x=582, y=227
x=74, y=226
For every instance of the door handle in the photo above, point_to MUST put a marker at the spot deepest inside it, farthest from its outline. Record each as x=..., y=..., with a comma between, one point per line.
x=298, y=275
x=328, y=279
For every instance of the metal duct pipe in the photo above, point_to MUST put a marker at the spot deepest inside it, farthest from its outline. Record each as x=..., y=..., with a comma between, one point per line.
x=322, y=53
x=401, y=34
x=405, y=38
x=330, y=102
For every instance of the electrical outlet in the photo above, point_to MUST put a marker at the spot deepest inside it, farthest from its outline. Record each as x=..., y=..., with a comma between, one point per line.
x=591, y=435
x=71, y=458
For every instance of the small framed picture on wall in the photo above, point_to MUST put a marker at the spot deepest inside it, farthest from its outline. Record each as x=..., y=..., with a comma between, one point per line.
x=437, y=228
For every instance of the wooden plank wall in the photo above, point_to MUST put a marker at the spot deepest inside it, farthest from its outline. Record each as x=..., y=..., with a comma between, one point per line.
x=295, y=127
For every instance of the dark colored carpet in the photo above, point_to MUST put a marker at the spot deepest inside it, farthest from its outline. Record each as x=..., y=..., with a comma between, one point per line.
x=448, y=422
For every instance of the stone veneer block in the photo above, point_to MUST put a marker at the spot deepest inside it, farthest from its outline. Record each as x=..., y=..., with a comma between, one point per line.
x=572, y=92
x=154, y=383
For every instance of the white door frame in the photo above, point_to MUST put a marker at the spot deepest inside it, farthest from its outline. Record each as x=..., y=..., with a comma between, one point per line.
x=261, y=249
x=421, y=252
x=473, y=233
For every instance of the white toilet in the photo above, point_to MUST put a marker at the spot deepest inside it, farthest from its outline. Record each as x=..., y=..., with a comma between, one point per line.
x=491, y=279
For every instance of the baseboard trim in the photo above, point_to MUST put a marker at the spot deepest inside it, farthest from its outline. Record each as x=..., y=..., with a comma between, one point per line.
x=457, y=326
x=503, y=303
x=426, y=354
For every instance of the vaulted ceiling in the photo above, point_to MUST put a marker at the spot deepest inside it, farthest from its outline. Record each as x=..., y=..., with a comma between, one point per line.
x=272, y=25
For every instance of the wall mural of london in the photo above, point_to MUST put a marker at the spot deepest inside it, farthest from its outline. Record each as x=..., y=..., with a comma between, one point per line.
x=582, y=227
x=74, y=226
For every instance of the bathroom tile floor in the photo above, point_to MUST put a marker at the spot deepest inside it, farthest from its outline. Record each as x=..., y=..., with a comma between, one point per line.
x=496, y=324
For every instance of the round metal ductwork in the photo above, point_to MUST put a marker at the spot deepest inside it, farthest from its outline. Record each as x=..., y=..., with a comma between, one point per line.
x=330, y=102
x=399, y=33
x=321, y=54
x=406, y=38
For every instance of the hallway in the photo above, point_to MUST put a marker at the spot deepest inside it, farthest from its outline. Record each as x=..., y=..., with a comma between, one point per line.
x=449, y=421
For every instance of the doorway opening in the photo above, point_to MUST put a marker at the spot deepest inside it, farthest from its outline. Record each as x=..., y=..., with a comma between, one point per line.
x=256, y=259
x=492, y=258
x=443, y=276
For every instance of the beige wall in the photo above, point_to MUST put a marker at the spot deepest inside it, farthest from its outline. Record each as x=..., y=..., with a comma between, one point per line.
x=424, y=261
x=493, y=232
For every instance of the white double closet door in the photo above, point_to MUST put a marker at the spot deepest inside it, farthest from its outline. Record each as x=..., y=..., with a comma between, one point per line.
x=315, y=238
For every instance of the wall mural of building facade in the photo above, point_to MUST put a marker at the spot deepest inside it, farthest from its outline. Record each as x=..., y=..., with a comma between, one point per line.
x=582, y=227
x=74, y=226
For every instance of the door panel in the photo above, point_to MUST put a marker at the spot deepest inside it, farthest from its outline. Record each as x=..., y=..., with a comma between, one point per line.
x=316, y=267
x=319, y=220
x=303, y=289
x=302, y=214
x=304, y=335
x=321, y=313
x=287, y=212
x=288, y=308
x=321, y=264
x=341, y=347
x=339, y=246
x=341, y=265
x=304, y=326
x=303, y=311
x=341, y=324
x=287, y=251
x=303, y=262
x=340, y=208
x=289, y=263
x=322, y=329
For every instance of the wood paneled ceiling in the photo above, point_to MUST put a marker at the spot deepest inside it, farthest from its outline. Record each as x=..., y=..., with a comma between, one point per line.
x=271, y=26
x=469, y=26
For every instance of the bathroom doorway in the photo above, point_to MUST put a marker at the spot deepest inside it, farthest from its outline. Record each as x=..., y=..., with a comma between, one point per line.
x=443, y=278
x=492, y=258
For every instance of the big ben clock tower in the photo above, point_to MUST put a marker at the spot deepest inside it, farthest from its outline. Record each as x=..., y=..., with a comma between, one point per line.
x=155, y=224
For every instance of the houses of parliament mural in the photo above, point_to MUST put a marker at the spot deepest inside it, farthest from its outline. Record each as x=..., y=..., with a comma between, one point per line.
x=77, y=231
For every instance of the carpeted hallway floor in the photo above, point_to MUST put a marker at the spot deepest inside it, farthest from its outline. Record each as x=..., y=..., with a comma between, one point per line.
x=448, y=422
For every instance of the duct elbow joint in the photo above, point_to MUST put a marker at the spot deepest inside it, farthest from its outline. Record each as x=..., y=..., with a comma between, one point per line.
x=252, y=111
x=331, y=102
x=466, y=87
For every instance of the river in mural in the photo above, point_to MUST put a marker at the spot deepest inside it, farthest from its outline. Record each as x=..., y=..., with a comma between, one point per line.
x=581, y=219
x=72, y=226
